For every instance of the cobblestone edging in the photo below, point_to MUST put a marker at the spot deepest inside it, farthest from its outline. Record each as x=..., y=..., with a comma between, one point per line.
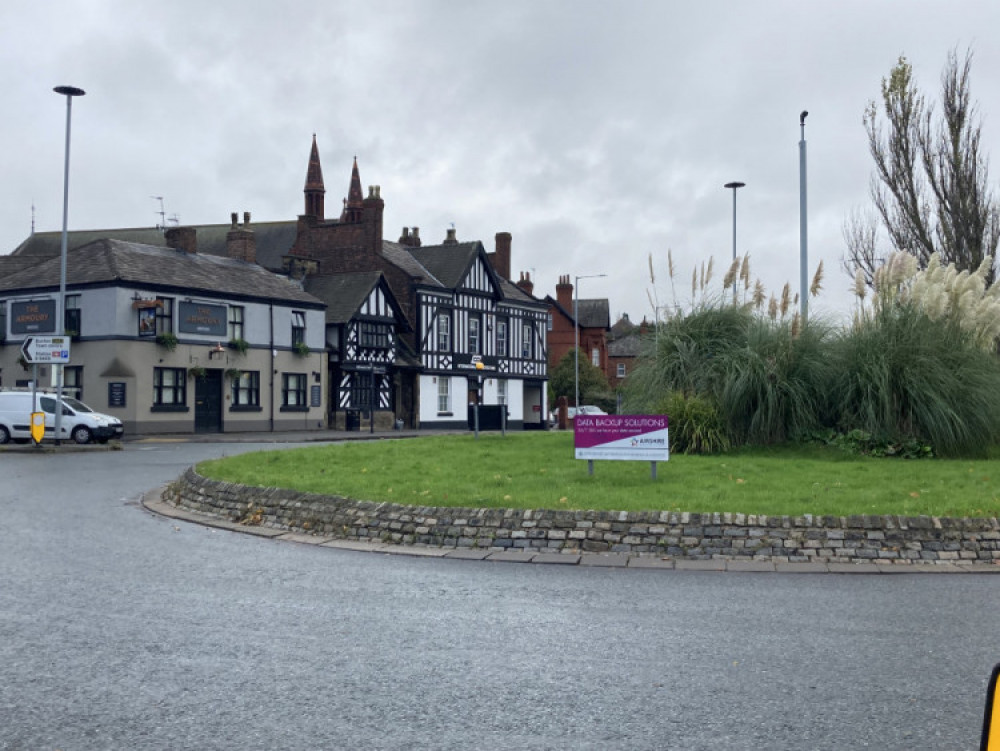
x=681, y=535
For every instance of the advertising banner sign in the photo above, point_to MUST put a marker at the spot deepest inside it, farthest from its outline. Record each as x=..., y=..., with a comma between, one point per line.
x=621, y=437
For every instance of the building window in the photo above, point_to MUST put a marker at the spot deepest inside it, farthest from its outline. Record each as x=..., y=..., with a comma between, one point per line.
x=444, y=395
x=361, y=391
x=502, y=338
x=298, y=327
x=475, y=338
x=550, y=322
x=164, y=315
x=595, y=357
x=621, y=370
x=444, y=331
x=526, y=341
x=293, y=391
x=169, y=387
x=374, y=335
x=236, y=322
x=71, y=316
x=73, y=381
x=501, y=391
x=246, y=389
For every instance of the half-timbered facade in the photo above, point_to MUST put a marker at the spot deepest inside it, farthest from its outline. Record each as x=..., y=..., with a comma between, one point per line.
x=471, y=336
x=481, y=340
x=363, y=321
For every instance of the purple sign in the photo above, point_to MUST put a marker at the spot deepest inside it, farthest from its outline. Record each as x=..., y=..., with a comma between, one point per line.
x=621, y=437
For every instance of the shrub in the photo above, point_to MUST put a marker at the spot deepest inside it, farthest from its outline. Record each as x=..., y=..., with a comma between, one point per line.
x=695, y=424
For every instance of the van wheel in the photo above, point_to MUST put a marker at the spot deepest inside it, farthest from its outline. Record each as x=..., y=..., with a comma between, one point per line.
x=4, y=435
x=81, y=434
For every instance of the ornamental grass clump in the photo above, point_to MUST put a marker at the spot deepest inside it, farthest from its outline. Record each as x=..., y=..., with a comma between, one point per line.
x=919, y=361
x=761, y=371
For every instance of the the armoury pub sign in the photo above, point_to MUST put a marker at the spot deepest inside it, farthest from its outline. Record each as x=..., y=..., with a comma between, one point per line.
x=33, y=317
x=199, y=318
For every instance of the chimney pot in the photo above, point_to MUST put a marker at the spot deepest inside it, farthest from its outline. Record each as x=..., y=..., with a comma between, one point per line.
x=232, y=217
x=246, y=218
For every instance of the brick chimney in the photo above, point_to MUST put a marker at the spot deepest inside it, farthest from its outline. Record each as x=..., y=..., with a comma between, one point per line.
x=450, y=238
x=182, y=238
x=500, y=259
x=241, y=244
x=525, y=283
x=564, y=293
x=410, y=238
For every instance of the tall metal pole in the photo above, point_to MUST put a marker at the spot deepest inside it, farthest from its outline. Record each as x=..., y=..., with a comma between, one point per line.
x=803, y=228
x=735, y=186
x=576, y=334
x=69, y=92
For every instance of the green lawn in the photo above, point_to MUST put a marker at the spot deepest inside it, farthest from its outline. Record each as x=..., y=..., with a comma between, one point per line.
x=537, y=470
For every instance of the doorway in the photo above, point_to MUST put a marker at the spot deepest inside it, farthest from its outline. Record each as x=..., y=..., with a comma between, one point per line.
x=208, y=402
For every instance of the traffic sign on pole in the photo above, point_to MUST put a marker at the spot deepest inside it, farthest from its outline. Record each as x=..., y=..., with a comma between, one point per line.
x=46, y=349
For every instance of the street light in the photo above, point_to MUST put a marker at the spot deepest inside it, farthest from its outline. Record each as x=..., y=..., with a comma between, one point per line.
x=735, y=186
x=576, y=332
x=69, y=92
x=803, y=225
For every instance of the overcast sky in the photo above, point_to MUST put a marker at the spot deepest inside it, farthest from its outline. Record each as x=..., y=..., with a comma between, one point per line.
x=595, y=132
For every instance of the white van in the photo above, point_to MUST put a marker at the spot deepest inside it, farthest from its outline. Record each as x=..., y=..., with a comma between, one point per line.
x=78, y=422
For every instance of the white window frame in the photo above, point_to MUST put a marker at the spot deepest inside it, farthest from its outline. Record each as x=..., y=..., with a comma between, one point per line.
x=502, y=342
x=475, y=335
x=444, y=395
x=444, y=332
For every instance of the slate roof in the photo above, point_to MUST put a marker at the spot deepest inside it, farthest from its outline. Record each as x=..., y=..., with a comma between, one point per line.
x=594, y=313
x=345, y=293
x=623, y=327
x=629, y=345
x=399, y=255
x=273, y=239
x=448, y=263
x=148, y=266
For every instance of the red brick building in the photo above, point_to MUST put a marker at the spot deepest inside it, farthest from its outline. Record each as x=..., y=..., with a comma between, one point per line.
x=624, y=346
x=594, y=323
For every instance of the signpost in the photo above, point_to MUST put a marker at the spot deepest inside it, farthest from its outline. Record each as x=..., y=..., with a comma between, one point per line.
x=44, y=349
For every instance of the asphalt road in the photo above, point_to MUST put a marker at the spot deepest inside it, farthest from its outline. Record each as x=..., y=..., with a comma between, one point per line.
x=123, y=630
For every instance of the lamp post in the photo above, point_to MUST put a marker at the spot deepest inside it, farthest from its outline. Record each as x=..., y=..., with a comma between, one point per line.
x=803, y=233
x=69, y=92
x=576, y=334
x=735, y=186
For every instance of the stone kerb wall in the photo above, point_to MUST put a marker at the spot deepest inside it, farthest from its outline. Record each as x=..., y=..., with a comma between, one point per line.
x=832, y=539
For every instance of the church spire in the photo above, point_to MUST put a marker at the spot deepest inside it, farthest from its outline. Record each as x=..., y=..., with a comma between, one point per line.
x=354, y=205
x=314, y=189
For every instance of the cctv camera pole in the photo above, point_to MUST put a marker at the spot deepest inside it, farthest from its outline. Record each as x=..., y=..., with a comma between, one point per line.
x=803, y=234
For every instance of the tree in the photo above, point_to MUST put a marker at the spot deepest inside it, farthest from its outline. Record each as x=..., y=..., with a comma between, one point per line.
x=930, y=191
x=593, y=385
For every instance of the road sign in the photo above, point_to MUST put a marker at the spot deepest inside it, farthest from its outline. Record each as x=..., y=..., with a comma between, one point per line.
x=46, y=349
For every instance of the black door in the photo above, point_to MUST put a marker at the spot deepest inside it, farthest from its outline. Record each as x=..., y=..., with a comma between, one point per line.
x=208, y=402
